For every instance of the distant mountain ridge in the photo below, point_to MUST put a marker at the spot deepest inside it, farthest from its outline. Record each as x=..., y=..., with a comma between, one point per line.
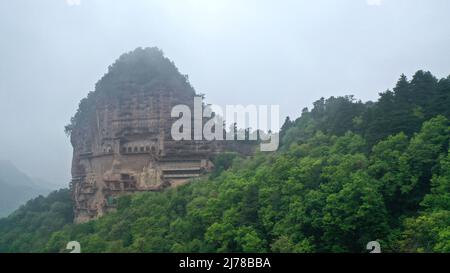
x=17, y=188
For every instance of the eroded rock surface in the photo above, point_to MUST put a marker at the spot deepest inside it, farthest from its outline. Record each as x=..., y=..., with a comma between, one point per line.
x=121, y=135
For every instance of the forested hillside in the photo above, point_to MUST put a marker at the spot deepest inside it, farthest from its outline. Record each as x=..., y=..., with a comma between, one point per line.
x=347, y=173
x=29, y=228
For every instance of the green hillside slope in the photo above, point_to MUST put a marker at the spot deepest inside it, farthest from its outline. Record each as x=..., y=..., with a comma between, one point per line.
x=347, y=173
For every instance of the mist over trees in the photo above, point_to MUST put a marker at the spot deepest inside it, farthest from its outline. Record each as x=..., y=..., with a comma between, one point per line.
x=347, y=173
x=17, y=188
x=145, y=68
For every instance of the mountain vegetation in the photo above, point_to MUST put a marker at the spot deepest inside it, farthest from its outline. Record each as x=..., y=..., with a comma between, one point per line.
x=29, y=228
x=347, y=173
x=145, y=68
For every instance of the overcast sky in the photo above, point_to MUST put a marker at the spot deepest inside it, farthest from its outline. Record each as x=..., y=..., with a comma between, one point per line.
x=290, y=53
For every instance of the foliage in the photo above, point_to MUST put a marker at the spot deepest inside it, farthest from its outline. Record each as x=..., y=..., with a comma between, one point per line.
x=347, y=173
x=29, y=228
x=143, y=68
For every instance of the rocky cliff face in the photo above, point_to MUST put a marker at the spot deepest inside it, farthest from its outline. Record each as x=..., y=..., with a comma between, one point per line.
x=121, y=134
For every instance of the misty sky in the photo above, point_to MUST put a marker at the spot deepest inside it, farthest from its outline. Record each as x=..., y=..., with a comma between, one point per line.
x=290, y=53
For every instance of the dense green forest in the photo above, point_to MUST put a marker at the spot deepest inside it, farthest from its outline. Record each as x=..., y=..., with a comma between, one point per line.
x=29, y=228
x=346, y=173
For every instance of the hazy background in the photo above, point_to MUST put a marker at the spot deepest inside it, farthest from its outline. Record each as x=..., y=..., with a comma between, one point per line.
x=290, y=53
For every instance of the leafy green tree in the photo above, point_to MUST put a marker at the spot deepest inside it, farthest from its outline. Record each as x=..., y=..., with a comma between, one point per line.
x=355, y=215
x=347, y=173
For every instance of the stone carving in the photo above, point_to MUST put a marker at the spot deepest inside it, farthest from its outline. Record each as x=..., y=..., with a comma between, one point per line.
x=123, y=145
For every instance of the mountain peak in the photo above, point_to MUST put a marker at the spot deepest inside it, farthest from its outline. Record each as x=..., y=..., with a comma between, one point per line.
x=144, y=67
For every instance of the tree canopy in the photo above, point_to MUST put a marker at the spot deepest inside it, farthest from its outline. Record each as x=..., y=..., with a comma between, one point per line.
x=347, y=173
x=141, y=69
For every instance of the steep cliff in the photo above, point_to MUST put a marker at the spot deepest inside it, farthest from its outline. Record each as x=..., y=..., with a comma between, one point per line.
x=121, y=134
